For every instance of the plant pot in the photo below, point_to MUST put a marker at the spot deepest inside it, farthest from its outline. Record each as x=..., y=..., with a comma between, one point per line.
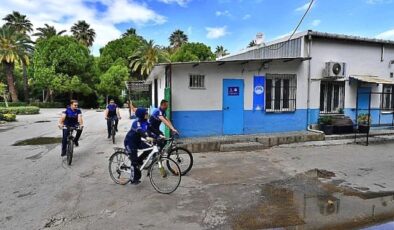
x=363, y=128
x=327, y=129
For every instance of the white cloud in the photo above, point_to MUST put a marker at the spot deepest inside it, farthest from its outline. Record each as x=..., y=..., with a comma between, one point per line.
x=216, y=32
x=378, y=1
x=304, y=7
x=246, y=17
x=388, y=35
x=179, y=2
x=316, y=22
x=189, y=30
x=63, y=15
x=223, y=13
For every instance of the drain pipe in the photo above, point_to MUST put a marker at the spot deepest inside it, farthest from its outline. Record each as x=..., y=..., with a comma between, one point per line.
x=309, y=79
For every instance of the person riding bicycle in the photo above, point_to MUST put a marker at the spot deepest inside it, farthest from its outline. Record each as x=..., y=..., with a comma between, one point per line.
x=112, y=113
x=71, y=117
x=139, y=129
x=159, y=116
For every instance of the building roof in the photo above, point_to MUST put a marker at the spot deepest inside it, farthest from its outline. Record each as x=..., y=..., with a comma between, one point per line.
x=372, y=79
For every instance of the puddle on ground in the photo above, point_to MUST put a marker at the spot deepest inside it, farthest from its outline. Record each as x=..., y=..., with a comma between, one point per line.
x=304, y=202
x=39, y=141
x=46, y=121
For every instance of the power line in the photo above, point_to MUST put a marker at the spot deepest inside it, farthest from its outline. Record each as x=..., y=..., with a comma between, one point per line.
x=295, y=30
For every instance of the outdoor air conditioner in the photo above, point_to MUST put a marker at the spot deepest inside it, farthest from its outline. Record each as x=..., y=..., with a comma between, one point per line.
x=335, y=69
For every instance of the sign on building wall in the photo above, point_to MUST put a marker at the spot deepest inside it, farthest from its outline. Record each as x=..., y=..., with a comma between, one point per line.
x=233, y=91
x=258, y=93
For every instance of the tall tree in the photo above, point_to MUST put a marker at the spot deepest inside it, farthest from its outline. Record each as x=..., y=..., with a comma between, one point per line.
x=220, y=51
x=129, y=32
x=83, y=33
x=14, y=47
x=47, y=32
x=178, y=38
x=21, y=24
x=193, y=51
x=146, y=57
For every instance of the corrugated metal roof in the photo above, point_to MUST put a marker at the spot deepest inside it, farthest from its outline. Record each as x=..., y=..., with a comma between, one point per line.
x=372, y=79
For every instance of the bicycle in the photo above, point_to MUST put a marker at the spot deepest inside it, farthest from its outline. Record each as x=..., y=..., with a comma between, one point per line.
x=163, y=172
x=70, y=143
x=182, y=156
x=113, y=130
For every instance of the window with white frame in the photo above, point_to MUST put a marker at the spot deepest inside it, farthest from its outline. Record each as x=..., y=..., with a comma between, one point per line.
x=280, y=92
x=388, y=98
x=332, y=96
x=196, y=81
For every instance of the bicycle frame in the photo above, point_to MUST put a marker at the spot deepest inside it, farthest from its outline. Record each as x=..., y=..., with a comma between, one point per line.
x=153, y=148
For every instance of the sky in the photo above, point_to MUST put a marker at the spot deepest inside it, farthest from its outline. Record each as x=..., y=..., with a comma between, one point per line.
x=231, y=23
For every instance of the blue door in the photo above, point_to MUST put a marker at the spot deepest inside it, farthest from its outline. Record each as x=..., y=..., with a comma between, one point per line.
x=363, y=99
x=233, y=106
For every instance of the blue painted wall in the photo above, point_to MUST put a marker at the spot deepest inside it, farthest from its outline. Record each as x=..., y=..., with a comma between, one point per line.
x=198, y=123
x=385, y=119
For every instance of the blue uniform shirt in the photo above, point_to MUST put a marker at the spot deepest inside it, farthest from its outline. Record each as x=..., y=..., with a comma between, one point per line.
x=154, y=120
x=112, y=110
x=133, y=137
x=71, y=117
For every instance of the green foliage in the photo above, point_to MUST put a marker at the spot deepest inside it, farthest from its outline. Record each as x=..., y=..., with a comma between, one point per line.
x=8, y=117
x=325, y=120
x=364, y=119
x=47, y=104
x=112, y=81
x=178, y=38
x=194, y=51
x=13, y=104
x=20, y=110
x=83, y=33
x=118, y=49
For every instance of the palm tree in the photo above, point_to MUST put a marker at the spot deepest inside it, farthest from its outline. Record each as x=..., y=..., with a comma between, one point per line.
x=146, y=57
x=83, y=33
x=47, y=32
x=221, y=51
x=14, y=47
x=177, y=38
x=20, y=23
x=129, y=32
x=251, y=44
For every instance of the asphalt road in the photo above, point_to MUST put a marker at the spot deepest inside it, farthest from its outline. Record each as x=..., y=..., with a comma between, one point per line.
x=38, y=190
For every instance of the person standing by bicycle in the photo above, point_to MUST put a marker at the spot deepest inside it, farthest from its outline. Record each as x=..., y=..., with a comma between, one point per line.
x=139, y=129
x=159, y=116
x=112, y=113
x=71, y=117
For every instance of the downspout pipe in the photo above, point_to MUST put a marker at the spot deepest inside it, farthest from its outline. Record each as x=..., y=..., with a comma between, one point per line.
x=309, y=80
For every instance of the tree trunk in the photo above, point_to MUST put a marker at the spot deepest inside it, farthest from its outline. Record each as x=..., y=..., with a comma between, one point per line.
x=25, y=82
x=11, y=82
x=51, y=94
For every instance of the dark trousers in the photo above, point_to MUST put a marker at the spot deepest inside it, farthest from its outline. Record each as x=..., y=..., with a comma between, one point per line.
x=66, y=132
x=109, y=124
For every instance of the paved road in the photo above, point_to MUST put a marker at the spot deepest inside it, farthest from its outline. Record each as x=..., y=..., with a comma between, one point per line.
x=38, y=190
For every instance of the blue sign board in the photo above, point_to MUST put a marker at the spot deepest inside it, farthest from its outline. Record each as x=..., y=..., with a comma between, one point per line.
x=233, y=91
x=258, y=93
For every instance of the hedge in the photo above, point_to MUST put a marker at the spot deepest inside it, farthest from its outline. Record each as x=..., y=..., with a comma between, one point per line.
x=8, y=117
x=20, y=110
x=13, y=104
x=48, y=104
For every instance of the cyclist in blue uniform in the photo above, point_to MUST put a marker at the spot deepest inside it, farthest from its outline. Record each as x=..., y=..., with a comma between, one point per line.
x=112, y=113
x=139, y=129
x=71, y=117
x=159, y=116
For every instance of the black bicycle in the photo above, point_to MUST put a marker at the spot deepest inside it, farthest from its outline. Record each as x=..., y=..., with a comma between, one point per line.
x=182, y=156
x=70, y=143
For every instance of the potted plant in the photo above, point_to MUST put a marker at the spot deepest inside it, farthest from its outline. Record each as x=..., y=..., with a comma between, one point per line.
x=364, y=123
x=326, y=124
x=340, y=111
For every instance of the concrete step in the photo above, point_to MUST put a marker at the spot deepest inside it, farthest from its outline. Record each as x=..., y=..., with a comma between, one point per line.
x=241, y=146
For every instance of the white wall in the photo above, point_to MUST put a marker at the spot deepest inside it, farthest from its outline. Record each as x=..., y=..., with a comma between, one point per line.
x=360, y=59
x=210, y=98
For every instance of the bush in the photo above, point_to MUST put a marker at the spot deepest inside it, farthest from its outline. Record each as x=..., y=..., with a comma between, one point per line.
x=20, y=110
x=13, y=104
x=48, y=104
x=8, y=117
x=325, y=120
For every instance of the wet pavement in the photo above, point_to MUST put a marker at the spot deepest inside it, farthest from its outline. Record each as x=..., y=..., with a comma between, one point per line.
x=302, y=187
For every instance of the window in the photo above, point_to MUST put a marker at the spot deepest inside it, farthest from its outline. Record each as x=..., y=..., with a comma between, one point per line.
x=196, y=82
x=332, y=95
x=280, y=93
x=388, y=98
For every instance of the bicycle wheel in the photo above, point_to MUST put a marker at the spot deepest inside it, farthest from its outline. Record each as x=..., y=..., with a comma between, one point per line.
x=183, y=158
x=120, y=168
x=113, y=134
x=165, y=175
x=70, y=150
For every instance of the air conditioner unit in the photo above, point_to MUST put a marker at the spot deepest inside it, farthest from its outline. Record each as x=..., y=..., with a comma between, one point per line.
x=335, y=69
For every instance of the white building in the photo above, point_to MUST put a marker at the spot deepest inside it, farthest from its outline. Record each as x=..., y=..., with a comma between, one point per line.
x=297, y=80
